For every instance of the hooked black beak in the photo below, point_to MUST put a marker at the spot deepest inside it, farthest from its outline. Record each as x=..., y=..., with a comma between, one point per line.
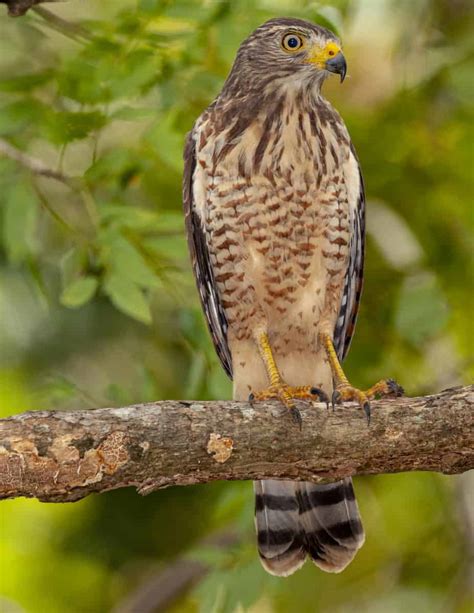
x=337, y=64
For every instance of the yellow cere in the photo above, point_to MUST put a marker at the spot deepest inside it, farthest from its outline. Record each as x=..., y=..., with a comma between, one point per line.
x=319, y=55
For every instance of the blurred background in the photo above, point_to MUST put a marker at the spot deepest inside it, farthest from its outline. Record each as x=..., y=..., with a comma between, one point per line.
x=98, y=305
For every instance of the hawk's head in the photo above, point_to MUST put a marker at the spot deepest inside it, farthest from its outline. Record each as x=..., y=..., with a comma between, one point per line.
x=289, y=49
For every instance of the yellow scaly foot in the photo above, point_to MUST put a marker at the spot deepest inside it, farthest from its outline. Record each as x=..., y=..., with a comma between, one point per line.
x=286, y=394
x=279, y=389
x=345, y=391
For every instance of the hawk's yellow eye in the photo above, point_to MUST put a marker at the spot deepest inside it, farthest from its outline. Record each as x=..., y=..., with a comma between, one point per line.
x=292, y=42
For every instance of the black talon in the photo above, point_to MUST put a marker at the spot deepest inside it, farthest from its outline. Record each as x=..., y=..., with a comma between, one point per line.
x=395, y=389
x=336, y=399
x=251, y=397
x=366, y=407
x=296, y=417
x=322, y=396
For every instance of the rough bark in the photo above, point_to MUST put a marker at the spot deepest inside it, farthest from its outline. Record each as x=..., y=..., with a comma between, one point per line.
x=63, y=456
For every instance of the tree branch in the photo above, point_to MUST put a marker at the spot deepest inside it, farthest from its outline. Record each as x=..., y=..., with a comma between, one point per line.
x=17, y=8
x=67, y=28
x=63, y=456
x=37, y=167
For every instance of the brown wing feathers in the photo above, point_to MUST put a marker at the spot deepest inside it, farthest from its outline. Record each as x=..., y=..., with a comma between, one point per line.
x=353, y=281
x=204, y=275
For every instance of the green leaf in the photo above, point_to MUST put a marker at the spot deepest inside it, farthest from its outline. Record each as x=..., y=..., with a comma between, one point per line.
x=19, y=221
x=250, y=575
x=129, y=217
x=105, y=72
x=167, y=141
x=128, y=297
x=211, y=593
x=72, y=264
x=65, y=126
x=422, y=311
x=150, y=6
x=112, y=164
x=222, y=591
x=136, y=72
x=171, y=220
x=121, y=257
x=25, y=82
x=79, y=292
x=130, y=113
x=85, y=76
x=171, y=249
x=21, y=114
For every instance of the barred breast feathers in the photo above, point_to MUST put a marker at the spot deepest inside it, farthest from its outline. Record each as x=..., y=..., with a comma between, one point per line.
x=284, y=171
x=283, y=130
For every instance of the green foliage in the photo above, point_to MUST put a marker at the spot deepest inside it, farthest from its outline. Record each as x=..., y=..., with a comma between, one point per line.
x=79, y=292
x=98, y=305
x=127, y=297
x=222, y=591
x=421, y=311
x=19, y=219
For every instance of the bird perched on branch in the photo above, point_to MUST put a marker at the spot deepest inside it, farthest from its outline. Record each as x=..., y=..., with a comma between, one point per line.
x=274, y=204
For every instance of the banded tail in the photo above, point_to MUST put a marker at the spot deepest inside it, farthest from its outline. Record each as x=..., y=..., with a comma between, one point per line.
x=296, y=519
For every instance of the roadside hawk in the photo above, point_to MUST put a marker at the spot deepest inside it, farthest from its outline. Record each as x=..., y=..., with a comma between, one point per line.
x=274, y=205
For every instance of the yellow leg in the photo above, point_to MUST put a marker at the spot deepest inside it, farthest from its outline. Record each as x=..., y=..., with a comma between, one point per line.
x=343, y=390
x=281, y=390
x=268, y=359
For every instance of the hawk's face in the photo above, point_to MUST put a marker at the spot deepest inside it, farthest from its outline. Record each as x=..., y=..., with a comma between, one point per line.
x=290, y=49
